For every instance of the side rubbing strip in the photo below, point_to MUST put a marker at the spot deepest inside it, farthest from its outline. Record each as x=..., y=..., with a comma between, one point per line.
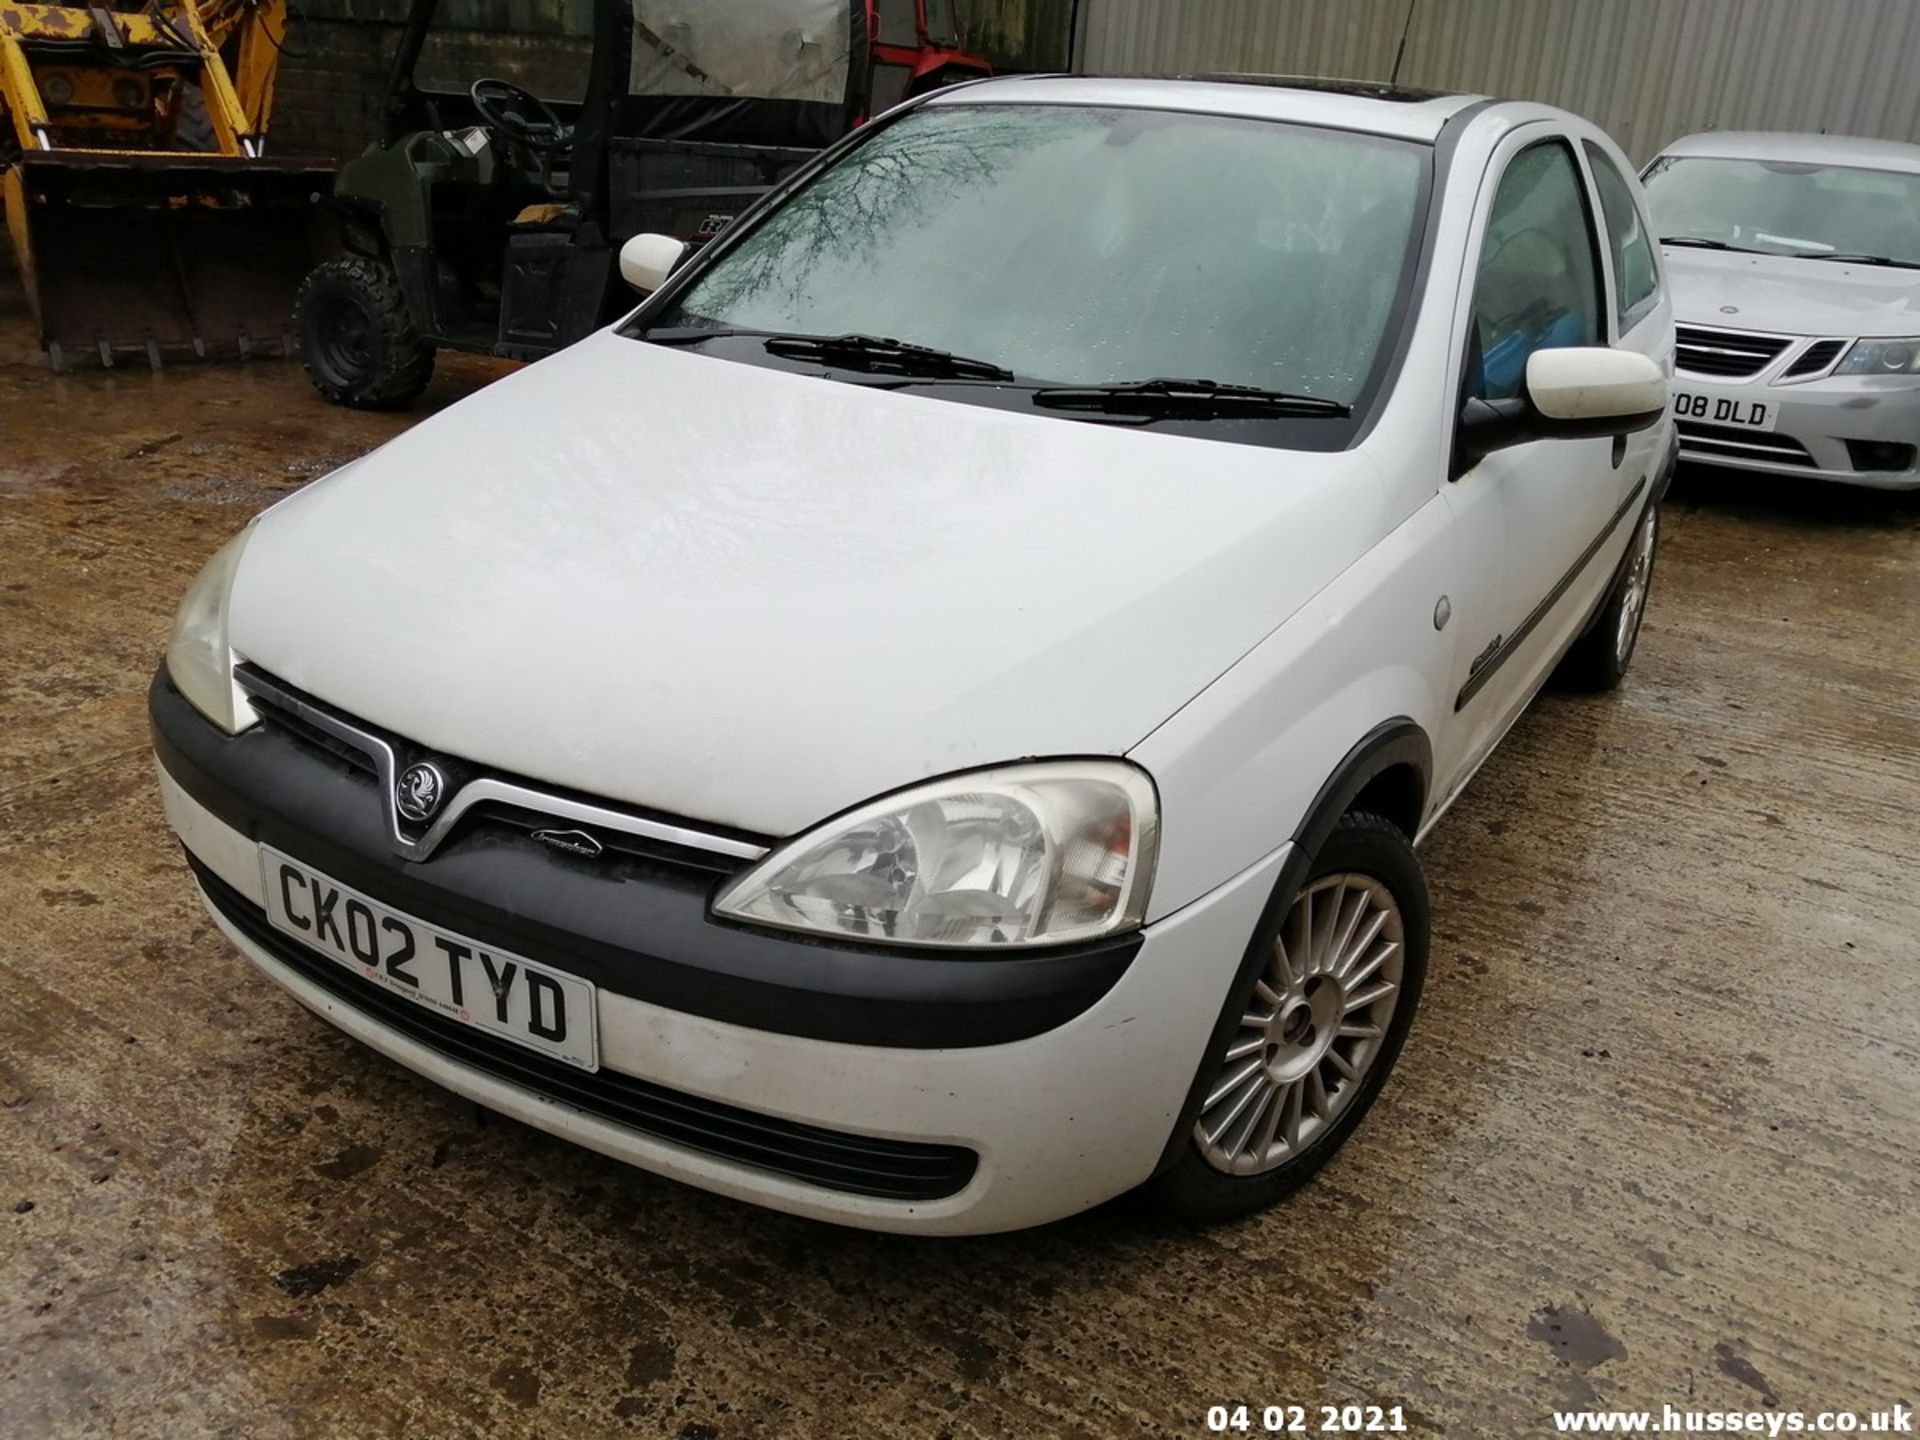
x=1513, y=642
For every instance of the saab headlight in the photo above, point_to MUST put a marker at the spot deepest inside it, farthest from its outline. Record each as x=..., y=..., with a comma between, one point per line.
x=1881, y=357
x=1041, y=853
x=198, y=657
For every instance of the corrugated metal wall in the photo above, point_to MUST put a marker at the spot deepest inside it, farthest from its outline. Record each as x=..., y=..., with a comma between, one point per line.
x=1646, y=70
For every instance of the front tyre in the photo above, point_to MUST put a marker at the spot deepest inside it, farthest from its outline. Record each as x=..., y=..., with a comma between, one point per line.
x=1598, y=660
x=357, y=341
x=1320, y=1023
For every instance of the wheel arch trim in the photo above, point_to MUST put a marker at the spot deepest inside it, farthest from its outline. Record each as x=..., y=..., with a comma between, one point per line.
x=1392, y=743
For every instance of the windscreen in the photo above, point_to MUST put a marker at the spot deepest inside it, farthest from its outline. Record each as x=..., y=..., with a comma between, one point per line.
x=1787, y=208
x=742, y=49
x=1075, y=245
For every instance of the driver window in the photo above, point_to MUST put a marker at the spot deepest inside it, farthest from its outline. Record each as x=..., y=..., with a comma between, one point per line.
x=889, y=87
x=899, y=22
x=1539, y=282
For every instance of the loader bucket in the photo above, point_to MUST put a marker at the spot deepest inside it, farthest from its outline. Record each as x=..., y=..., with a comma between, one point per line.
x=157, y=256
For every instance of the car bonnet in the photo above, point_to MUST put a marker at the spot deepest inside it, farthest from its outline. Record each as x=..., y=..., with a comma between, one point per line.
x=755, y=597
x=1788, y=296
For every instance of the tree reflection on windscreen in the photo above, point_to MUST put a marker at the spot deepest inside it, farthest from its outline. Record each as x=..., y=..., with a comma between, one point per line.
x=1086, y=246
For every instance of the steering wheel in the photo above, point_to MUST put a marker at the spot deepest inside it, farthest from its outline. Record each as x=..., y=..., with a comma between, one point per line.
x=519, y=114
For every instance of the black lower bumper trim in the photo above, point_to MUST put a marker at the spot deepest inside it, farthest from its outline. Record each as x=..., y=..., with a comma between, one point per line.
x=636, y=925
x=850, y=1164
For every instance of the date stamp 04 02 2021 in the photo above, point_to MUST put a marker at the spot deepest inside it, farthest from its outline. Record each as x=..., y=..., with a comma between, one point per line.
x=1300, y=1420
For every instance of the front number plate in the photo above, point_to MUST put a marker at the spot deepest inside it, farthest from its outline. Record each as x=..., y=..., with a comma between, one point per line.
x=1737, y=411
x=506, y=995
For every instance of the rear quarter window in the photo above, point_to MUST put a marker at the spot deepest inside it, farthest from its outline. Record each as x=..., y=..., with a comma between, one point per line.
x=1635, y=280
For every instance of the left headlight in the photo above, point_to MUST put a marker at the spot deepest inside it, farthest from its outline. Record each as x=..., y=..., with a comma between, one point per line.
x=198, y=658
x=1881, y=357
x=1041, y=853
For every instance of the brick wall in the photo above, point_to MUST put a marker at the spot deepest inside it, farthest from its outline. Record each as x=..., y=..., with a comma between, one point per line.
x=328, y=95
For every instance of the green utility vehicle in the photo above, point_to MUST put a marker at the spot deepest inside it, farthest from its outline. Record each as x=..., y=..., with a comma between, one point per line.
x=489, y=217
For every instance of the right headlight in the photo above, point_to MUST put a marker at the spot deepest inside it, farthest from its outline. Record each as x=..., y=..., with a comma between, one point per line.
x=198, y=657
x=1881, y=357
x=1040, y=853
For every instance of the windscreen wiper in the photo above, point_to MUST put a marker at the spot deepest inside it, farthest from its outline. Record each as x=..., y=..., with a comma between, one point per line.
x=1702, y=242
x=694, y=334
x=1857, y=259
x=862, y=352
x=879, y=352
x=1184, y=397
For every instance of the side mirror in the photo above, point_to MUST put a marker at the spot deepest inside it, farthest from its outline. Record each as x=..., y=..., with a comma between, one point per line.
x=1570, y=394
x=647, y=260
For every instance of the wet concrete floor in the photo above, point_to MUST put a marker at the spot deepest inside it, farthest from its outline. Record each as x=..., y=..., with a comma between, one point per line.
x=1655, y=1138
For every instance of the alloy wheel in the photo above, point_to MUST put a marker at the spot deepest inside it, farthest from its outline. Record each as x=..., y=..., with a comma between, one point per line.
x=1314, y=1026
x=1633, y=597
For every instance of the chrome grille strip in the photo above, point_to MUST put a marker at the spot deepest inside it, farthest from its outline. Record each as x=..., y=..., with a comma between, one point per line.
x=1698, y=440
x=1702, y=351
x=478, y=792
x=1756, y=448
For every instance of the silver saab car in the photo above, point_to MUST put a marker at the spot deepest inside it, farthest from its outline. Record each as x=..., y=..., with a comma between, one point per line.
x=1794, y=264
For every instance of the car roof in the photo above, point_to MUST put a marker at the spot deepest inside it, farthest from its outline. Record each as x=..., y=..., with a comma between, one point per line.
x=1808, y=149
x=1363, y=105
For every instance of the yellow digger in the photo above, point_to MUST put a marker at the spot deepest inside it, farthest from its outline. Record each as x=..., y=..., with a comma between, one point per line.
x=145, y=215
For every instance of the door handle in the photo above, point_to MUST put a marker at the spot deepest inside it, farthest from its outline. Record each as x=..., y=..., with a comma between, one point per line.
x=1619, y=450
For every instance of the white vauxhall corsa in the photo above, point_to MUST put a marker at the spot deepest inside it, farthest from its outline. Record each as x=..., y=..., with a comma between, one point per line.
x=926, y=722
x=1795, y=265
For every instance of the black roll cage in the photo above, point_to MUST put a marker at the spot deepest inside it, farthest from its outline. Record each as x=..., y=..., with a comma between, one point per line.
x=605, y=111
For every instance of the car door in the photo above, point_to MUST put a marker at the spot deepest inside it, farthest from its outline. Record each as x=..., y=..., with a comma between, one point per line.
x=1536, y=280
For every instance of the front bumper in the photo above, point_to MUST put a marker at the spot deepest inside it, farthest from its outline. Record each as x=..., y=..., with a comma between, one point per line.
x=994, y=1125
x=1814, y=421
